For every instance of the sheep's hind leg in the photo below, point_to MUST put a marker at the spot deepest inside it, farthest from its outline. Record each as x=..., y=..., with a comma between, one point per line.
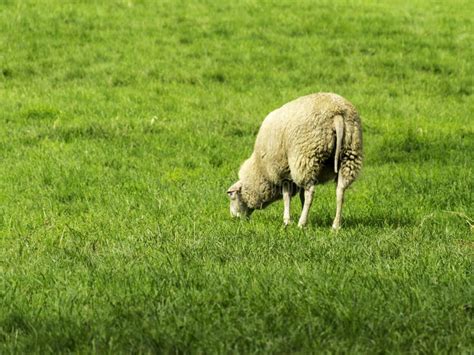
x=308, y=200
x=302, y=197
x=286, y=203
x=342, y=184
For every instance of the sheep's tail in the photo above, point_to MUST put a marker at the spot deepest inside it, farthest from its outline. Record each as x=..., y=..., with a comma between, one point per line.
x=339, y=128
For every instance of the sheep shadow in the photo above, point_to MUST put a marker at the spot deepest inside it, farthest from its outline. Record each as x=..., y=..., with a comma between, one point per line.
x=353, y=222
x=379, y=222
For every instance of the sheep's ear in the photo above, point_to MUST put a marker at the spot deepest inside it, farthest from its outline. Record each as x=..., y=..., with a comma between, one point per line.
x=234, y=189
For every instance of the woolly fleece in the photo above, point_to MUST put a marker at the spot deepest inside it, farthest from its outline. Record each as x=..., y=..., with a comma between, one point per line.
x=297, y=143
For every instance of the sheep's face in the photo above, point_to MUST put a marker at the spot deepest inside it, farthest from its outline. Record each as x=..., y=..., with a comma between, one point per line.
x=238, y=208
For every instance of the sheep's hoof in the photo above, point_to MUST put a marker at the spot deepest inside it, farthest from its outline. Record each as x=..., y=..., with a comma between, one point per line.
x=301, y=225
x=336, y=227
x=287, y=222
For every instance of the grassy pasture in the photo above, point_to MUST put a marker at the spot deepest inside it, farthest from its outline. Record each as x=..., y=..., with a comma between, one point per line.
x=122, y=124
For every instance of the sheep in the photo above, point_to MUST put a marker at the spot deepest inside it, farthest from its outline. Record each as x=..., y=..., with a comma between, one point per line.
x=308, y=141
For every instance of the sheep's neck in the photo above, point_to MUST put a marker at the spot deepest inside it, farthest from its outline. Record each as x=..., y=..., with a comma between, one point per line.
x=258, y=192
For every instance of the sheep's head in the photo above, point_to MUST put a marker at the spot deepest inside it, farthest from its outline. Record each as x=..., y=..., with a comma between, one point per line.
x=238, y=207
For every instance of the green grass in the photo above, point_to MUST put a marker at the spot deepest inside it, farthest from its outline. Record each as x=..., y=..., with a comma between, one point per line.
x=123, y=123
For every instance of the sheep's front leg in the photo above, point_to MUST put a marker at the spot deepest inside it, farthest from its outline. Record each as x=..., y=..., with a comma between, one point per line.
x=286, y=203
x=308, y=200
x=342, y=184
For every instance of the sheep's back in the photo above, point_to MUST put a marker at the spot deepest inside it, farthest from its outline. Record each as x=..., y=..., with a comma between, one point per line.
x=296, y=140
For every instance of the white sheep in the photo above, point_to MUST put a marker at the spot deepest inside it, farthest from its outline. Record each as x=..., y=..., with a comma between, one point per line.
x=308, y=141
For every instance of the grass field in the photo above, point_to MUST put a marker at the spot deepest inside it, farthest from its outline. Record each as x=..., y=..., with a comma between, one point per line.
x=123, y=123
